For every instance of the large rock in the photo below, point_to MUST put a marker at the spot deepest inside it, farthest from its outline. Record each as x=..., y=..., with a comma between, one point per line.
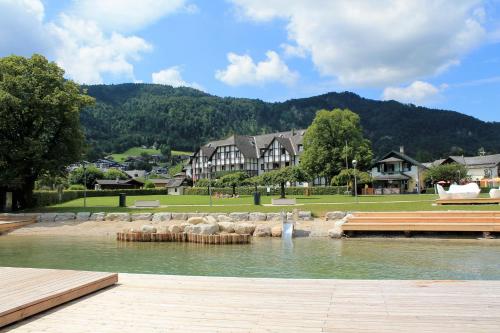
x=224, y=218
x=305, y=215
x=48, y=217
x=148, y=229
x=244, y=228
x=239, y=216
x=333, y=216
x=262, y=230
x=141, y=216
x=175, y=229
x=64, y=217
x=195, y=220
x=276, y=231
x=83, y=216
x=179, y=216
x=184, y=225
x=189, y=215
x=210, y=219
x=335, y=232
x=161, y=217
x=208, y=229
x=257, y=216
x=97, y=216
x=226, y=227
x=118, y=217
x=274, y=217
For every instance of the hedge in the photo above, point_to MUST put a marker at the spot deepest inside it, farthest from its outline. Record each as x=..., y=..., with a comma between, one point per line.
x=248, y=190
x=48, y=198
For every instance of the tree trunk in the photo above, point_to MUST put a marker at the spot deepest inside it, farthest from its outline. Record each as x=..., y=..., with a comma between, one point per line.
x=23, y=197
x=282, y=190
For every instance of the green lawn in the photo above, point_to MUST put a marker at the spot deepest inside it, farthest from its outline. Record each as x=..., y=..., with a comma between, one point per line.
x=136, y=151
x=318, y=204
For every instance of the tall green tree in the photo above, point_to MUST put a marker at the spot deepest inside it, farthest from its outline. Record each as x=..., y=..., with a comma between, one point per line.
x=282, y=176
x=87, y=177
x=234, y=179
x=114, y=174
x=452, y=172
x=334, y=139
x=39, y=123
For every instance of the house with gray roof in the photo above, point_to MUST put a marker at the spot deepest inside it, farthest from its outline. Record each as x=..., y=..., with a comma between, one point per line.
x=252, y=154
x=397, y=173
x=478, y=167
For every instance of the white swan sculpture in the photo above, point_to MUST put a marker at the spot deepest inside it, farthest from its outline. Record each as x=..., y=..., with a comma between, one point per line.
x=469, y=191
x=495, y=193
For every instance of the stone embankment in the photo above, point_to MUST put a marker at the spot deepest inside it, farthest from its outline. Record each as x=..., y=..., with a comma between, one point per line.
x=258, y=224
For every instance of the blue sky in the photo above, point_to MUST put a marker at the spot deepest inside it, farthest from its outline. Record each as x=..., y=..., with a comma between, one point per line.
x=441, y=54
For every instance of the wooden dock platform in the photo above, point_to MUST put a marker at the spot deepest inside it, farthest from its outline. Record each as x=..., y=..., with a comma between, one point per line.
x=476, y=201
x=27, y=291
x=8, y=222
x=162, y=303
x=424, y=221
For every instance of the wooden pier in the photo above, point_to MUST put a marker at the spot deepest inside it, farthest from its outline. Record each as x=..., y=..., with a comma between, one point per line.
x=27, y=291
x=475, y=201
x=9, y=222
x=460, y=221
x=183, y=237
x=179, y=304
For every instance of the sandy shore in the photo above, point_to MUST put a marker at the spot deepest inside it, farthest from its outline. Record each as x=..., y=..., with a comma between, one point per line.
x=317, y=228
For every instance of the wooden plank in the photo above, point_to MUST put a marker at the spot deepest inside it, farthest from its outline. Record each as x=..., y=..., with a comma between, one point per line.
x=27, y=291
x=162, y=303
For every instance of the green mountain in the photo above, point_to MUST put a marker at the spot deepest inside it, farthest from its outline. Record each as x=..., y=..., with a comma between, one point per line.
x=129, y=115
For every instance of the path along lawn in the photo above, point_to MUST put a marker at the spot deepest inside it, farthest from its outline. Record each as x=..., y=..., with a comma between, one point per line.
x=318, y=204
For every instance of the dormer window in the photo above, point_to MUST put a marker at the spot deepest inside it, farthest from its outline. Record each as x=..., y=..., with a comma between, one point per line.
x=300, y=147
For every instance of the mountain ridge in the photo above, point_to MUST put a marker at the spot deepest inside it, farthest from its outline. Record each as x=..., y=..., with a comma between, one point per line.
x=131, y=114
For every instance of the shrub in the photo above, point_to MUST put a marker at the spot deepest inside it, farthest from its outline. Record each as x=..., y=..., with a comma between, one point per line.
x=76, y=187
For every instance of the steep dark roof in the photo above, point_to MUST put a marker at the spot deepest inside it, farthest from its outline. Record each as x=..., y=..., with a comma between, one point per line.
x=119, y=182
x=402, y=156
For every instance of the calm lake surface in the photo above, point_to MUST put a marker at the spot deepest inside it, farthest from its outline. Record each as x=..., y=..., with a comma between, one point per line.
x=375, y=258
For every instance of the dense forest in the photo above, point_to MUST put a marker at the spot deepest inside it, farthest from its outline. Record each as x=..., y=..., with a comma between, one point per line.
x=128, y=115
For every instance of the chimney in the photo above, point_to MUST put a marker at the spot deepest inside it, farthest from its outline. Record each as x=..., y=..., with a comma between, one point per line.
x=402, y=149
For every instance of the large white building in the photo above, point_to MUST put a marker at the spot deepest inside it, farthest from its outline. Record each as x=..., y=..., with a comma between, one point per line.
x=478, y=167
x=251, y=154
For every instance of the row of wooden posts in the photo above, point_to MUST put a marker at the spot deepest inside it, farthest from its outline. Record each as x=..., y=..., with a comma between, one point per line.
x=183, y=237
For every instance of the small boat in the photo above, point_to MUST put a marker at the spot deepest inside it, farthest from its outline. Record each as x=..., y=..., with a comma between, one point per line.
x=468, y=191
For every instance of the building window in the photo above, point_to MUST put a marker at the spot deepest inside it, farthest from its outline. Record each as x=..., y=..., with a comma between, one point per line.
x=223, y=167
x=262, y=166
x=301, y=147
x=283, y=151
x=287, y=163
x=276, y=165
x=241, y=166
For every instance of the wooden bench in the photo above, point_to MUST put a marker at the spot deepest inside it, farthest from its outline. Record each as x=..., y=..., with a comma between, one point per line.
x=283, y=202
x=147, y=203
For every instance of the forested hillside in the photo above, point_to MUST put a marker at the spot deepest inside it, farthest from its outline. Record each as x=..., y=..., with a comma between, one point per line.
x=129, y=115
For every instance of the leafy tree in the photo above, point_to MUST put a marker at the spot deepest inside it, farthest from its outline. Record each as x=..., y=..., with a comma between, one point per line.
x=205, y=182
x=166, y=151
x=347, y=176
x=149, y=184
x=282, y=176
x=333, y=138
x=234, y=179
x=91, y=174
x=49, y=182
x=114, y=174
x=39, y=123
x=173, y=170
x=452, y=172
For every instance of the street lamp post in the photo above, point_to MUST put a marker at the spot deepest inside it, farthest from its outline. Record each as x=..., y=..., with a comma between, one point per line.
x=84, y=184
x=459, y=176
x=209, y=164
x=354, y=164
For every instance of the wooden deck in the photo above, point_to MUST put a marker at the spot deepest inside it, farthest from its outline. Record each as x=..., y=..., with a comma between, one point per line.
x=424, y=221
x=27, y=291
x=8, y=223
x=476, y=201
x=161, y=303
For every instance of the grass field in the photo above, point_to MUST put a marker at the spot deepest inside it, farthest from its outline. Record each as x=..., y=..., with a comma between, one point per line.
x=319, y=204
x=136, y=151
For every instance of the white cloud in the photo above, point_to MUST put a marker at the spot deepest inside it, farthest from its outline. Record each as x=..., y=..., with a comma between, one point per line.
x=242, y=70
x=86, y=53
x=377, y=43
x=126, y=15
x=172, y=76
x=418, y=92
x=293, y=50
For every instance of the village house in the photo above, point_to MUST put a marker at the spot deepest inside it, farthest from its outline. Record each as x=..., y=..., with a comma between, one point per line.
x=251, y=154
x=397, y=173
x=118, y=184
x=479, y=168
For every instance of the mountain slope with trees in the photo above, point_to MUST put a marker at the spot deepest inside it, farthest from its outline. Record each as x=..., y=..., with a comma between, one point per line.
x=128, y=115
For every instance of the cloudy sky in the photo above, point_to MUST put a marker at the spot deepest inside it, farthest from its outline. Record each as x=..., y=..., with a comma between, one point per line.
x=442, y=53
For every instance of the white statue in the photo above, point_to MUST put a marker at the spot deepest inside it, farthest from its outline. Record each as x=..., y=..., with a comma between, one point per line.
x=468, y=191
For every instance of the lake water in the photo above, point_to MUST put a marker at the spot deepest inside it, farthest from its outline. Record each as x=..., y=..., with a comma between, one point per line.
x=375, y=258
